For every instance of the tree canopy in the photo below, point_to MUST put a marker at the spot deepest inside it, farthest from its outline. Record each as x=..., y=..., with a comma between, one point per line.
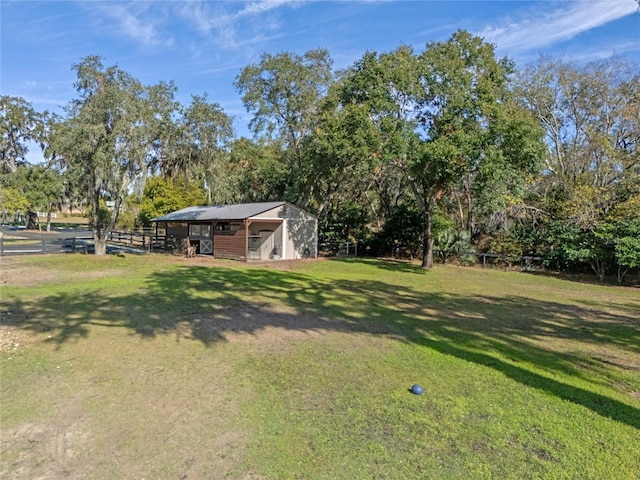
x=433, y=152
x=109, y=136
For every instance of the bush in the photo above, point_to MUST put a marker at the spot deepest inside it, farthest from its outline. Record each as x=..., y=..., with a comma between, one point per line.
x=503, y=243
x=452, y=244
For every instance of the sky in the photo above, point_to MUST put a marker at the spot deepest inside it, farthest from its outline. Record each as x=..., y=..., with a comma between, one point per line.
x=202, y=45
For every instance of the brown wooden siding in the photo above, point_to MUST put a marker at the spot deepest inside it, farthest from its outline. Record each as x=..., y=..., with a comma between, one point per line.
x=229, y=244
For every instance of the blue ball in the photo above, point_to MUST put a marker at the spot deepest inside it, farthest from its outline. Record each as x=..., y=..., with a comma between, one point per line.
x=417, y=389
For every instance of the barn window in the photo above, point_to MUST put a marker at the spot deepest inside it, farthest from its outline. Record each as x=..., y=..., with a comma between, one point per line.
x=199, y=231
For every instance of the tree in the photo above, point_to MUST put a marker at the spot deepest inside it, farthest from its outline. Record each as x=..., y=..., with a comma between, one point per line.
x=13, y=202
x=284, y=93
x=445, y=117
x=379, y=93
x=43, y=190
x=109, y=137
x=472, y=127
x=19, y=125
x=207, y=133
x=591, y=116
x=625, y=224
x=261, y=174
x=31, y=189
x=340, y=162
x=194, y=146
x=162, y=195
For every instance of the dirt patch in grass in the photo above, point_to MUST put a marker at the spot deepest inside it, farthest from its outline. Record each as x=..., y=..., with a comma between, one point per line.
x=18, y=274
x=146, y=409
x=56, y=447
x=10, y=339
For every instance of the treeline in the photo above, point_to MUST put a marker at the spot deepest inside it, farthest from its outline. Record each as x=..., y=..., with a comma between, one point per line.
x=441, y=153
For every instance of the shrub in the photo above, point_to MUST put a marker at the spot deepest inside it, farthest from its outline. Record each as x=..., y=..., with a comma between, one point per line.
x=452, y=244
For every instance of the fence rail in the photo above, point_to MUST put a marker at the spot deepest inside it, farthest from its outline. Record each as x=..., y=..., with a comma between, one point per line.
x=132, y=239
x=527, y=261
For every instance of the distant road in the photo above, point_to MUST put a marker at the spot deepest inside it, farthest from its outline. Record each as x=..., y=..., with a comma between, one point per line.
x=55, y=241
x=59, y=240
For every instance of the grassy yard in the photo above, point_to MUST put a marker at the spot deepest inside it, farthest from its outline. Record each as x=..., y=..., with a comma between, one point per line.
x=165, y=367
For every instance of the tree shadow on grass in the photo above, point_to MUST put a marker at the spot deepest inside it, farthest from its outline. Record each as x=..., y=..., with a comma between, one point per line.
x=389, y=264
x=520, y=337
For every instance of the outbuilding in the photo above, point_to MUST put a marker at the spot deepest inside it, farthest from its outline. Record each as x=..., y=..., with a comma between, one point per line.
x=244, y=231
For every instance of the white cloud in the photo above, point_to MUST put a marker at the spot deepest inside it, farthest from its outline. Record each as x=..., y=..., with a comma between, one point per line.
x=256, y=8
x=221, y=21
x=134, y=21
x=543, y=28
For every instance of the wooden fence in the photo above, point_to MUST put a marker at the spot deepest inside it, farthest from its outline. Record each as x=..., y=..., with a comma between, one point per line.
x=142, y=240
x=147, y=241
x=526, y=261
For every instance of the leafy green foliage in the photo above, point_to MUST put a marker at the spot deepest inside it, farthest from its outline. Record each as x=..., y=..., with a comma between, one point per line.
x=162, y=196
x=13, y=201
x=447, y=116
x=200, y=151
x=451, y=134
x=451, y=244
x=591, y=177
x=402, y=229
x=507, y=244
x=109, y=136
x=19, y=124
x=284, y=92
x=262, y=174
x=348, y=223
x=31, y=189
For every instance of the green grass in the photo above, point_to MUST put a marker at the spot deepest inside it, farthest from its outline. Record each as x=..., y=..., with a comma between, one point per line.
x=162, y=367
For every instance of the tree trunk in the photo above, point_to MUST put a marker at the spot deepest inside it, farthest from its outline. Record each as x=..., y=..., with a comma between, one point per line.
x=99, y=239
x=622, y=272
x=469, y=219
x=32, y=221
x=49, y=219
x=427, y=239
x=100, y=245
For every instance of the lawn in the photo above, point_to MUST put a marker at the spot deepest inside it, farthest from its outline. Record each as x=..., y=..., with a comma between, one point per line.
x=164, y=367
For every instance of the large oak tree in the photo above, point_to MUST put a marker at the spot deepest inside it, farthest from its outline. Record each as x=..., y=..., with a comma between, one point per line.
x=109, y=137
x=446, y=116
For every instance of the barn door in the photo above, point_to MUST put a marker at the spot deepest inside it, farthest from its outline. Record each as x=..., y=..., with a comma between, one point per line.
x=206, y=246
x=266, y=243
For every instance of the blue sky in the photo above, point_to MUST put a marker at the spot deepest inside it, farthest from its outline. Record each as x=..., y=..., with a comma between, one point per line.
x=202, y=45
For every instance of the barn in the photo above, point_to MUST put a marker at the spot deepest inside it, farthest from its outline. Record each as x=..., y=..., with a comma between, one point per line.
x=244, y=231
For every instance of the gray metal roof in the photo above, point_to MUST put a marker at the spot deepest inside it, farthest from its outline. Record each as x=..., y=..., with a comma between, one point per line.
x=238, y=211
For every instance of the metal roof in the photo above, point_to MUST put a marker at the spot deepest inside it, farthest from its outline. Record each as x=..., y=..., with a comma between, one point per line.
x=238, y=211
